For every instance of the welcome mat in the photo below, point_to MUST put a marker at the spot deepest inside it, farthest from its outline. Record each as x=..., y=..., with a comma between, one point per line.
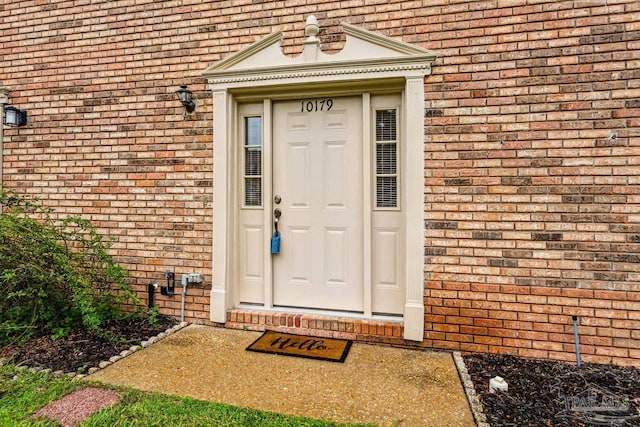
x=331, y=349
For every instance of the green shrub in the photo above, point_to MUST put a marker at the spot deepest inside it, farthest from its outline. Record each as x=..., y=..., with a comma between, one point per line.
x=54, y=274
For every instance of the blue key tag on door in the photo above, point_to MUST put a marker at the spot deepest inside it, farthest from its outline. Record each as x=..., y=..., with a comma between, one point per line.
x=275, y=243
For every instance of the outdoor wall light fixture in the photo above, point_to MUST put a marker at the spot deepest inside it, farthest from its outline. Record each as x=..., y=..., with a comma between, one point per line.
x=14, y=116
x=187, y=99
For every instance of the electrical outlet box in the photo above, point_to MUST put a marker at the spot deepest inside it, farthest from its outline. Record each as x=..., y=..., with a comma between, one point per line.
x=195, y=278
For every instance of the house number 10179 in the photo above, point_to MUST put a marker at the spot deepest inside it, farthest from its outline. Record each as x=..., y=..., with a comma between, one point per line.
x=310, y=106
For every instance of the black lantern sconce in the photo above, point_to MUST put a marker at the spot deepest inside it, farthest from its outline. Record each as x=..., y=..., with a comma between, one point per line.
x=187, y=100
x=14, y=116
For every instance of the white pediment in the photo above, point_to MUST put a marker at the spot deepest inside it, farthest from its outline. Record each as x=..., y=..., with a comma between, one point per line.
x=365, y=53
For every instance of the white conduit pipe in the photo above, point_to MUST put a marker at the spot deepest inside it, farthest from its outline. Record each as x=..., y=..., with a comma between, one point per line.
x=185, y=280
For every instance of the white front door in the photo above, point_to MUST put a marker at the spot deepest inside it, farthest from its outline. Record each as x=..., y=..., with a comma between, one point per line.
x=317, y=176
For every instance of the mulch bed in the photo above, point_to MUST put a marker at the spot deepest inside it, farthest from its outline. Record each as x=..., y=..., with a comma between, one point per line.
x=79, y=351
x=550, y=393
x=541, y=392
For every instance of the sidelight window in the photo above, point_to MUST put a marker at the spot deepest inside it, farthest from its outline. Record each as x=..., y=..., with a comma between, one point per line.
x=386, y=152
x=253, y=161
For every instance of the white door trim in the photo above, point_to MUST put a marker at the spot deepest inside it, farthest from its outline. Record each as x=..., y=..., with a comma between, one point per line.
x=366, y=203
x=267, y=194
x=369, y=63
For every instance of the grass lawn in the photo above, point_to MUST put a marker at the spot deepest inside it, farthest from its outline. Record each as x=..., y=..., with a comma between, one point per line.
x=23, y=392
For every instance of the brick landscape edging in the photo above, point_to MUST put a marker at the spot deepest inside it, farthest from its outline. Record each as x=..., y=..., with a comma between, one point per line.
x=474, y=401
x=105, y=363
x=134, y=348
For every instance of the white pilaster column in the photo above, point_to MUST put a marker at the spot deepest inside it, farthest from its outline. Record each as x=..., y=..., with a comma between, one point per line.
x=221, y=217
x=414, y=208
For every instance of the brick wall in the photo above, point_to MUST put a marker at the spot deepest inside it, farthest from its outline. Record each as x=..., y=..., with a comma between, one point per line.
x=533, y=163
x=532, y=149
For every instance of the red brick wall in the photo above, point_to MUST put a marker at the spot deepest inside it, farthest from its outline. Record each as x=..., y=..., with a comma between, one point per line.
x=533, y=164
x=532, y=149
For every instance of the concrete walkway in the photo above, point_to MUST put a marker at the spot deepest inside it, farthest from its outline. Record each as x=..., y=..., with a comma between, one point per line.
x=376, y=384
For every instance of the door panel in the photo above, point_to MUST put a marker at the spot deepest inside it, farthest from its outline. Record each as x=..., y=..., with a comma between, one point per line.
x=317, y=172
x=335, y=246
x=298, y=156
x=299, y=260
x=251, y=242
x=334, y=175
x=388, y=291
